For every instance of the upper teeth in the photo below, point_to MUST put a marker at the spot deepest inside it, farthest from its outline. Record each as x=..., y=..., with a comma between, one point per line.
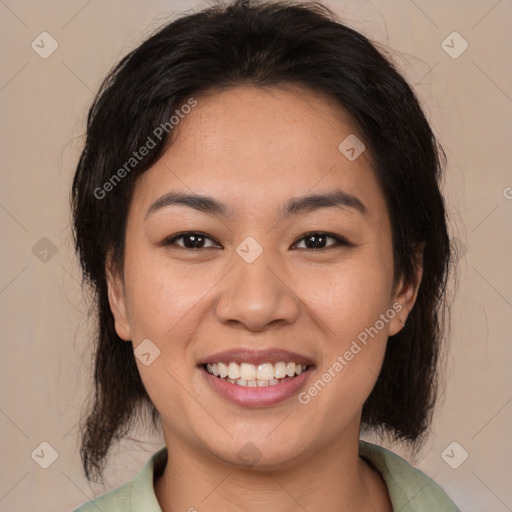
x=248, y=372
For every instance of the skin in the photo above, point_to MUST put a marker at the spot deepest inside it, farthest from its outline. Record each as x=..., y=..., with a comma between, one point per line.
x=253, y=149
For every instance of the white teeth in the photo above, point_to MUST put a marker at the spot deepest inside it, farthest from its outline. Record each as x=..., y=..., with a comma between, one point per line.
x=223, y=370
x=233, y=371
x=247, y=371
x=250, y=375
x=265, y=372
x=280, y=370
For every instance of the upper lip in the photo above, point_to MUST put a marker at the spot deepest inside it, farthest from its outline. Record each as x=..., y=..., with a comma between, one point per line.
x=241, y=355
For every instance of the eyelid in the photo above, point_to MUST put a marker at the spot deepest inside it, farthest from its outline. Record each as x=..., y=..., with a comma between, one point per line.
x=171, y=239
x=340, y=240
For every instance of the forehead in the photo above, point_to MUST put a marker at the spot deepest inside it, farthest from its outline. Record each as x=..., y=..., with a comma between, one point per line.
x=251, y=146
x=285, y=125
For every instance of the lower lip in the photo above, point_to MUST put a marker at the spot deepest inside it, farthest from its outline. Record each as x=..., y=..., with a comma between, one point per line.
x=257, y=396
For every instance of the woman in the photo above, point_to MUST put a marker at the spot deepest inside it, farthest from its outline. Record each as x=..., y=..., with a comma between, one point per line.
x=257, y=208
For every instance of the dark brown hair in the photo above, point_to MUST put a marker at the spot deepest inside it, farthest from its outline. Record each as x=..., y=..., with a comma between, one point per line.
x=264, y=44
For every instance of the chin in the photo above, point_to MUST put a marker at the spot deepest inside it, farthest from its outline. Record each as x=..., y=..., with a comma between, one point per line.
x=260, y=454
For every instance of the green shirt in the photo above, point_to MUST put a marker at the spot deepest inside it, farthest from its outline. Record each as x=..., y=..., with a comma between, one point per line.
x=410, y=490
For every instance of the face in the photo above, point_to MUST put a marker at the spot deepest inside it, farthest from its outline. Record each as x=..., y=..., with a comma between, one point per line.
x=262, y=274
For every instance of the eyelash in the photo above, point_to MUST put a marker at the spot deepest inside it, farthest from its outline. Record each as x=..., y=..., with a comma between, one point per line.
x=340, y=241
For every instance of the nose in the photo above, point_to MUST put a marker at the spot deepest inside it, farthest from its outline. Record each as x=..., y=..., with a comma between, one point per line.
x=256, y=295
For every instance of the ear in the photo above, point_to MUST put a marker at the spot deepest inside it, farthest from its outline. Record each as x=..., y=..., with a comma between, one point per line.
x=406, y=293
x=116, y=299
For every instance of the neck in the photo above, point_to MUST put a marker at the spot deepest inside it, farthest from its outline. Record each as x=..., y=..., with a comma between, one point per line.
x=319, y=481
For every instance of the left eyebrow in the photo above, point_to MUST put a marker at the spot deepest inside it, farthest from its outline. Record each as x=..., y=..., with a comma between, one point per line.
x=296, y=206
x=335, y=199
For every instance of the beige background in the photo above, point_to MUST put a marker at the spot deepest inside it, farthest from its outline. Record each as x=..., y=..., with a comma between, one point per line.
x=45, y=363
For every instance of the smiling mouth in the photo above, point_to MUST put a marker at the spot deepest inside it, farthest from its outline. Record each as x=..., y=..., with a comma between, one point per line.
x=261, y=375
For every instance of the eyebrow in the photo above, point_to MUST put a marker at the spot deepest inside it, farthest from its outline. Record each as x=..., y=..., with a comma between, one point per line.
x=298, y=205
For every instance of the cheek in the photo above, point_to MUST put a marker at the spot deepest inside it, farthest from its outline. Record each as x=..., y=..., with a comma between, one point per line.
x=348, y=308
x=349, y=298
x=161, y=296
x=163, y=304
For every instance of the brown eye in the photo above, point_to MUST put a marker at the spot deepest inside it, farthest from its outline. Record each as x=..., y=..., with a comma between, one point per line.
x=191, y=240
x=317, y=240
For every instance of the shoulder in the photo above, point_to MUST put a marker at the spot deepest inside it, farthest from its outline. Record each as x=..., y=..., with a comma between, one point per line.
x=135, y=495
x=116, y=500
x=410, y=489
